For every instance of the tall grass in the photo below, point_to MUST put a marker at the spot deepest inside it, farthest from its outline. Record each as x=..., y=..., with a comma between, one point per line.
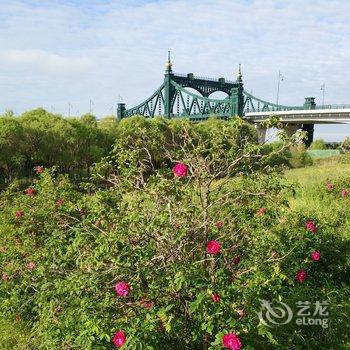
x=308, y=179
x=14, y=336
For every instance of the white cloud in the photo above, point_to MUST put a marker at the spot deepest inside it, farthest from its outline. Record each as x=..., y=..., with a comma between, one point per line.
x=43, y=60
x=63, y=51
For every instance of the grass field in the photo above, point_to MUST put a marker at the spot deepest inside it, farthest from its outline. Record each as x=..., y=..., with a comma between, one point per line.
x=315, y=174
x=307, y=179
x=13, y=336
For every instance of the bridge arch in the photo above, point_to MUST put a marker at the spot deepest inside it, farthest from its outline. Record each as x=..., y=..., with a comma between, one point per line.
x=219, y=94
x=194, y=90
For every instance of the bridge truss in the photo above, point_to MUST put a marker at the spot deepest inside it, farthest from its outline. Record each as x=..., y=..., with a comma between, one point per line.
x=173, y=99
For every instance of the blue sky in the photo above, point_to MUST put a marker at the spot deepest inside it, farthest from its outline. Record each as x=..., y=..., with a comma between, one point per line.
x=55, y=53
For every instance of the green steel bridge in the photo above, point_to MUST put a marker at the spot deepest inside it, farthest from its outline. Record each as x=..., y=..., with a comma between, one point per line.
x=173, y=100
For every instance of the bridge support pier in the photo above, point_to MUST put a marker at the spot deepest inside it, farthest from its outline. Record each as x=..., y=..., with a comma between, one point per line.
x=261, y=130
x=309, y=128
x=291, y=129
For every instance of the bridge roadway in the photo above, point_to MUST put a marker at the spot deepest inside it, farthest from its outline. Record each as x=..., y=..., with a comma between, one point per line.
x=299, y=119
x=304, y=116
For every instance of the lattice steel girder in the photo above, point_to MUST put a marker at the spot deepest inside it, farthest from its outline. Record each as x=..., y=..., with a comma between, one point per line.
x=254, y=104
x=204, y=86
x=198, y=104
x=173, y=94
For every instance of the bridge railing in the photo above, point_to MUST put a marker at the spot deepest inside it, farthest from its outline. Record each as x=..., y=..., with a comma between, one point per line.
x=340, y=106
x=203, y=78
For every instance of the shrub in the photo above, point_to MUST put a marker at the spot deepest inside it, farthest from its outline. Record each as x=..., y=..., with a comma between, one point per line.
x=299, y=156
x=275, y=156
x=177, y=260
x=318, y=144
x=345, y=145
x=145, y=146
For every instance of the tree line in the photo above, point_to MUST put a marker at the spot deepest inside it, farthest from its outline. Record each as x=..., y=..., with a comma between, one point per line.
x=38, y=137
x=75, y=144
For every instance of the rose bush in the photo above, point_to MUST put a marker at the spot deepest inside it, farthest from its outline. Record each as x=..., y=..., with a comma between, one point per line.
x=144, y=264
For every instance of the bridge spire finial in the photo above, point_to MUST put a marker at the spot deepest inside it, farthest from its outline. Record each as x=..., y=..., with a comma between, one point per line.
x=239, y=74
x=168, y=65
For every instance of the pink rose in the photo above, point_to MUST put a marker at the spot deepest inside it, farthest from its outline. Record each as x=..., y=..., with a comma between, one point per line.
x=119, y=339
x=30, y=265
x=39, y=169
x=215, y=297
x=147, y=303
x=19, y=214
x=180, y=170
x=60, y=202
x=231, y=341
x=122, y=289
x=261, y=212
x=310, y=226
x=274, y=255
x=316, y=255
x=301, y=276
x=236, y=260
x=329, y=186
x=240, y=312
x=213, y=247
x=30, y=191
x=219, y=224
x=5, y=277
x=344, y=193
x=177, y=226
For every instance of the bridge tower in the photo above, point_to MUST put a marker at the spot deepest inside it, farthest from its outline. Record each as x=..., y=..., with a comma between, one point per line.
x=237, y=96
x=120, y=110
x=309, y=128
x=205, y=87
x=169, y=89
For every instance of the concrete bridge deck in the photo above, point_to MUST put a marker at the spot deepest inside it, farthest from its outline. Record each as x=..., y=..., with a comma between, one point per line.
x=307, y=116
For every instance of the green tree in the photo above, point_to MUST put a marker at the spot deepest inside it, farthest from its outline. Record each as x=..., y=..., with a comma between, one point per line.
x=11, y=146
x=109, y=126
x=89, y=141
x=48, y=138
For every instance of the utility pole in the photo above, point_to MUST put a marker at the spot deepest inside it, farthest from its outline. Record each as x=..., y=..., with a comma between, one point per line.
x=91, y=104
x=280, y=78
x=69, y=107
x=323, y=88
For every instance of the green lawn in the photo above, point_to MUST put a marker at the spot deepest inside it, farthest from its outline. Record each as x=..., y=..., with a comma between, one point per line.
x=315, y=174
x=307, y=179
